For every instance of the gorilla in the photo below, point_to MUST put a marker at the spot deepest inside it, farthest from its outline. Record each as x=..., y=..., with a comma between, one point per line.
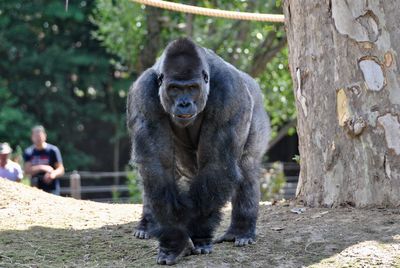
x=199, y=131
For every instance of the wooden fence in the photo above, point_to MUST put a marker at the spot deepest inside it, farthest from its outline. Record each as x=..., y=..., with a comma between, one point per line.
x=77, y=189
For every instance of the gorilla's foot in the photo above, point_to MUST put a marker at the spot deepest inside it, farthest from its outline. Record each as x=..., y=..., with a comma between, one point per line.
x=202, y=247
x=243, y=241
x=169, y=257
x=239, y=238
x=142, y=230
x=166, y=257
x=141, y=234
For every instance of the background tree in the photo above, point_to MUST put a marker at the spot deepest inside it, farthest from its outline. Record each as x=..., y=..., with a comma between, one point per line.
x=344, y=63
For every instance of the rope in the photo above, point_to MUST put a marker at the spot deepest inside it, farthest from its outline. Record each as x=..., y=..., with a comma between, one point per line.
x=212, y=12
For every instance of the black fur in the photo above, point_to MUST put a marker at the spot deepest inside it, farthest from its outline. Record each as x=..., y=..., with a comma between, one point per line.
x=216, y=152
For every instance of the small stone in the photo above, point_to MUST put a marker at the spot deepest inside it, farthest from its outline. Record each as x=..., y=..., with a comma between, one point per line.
x=298, y=210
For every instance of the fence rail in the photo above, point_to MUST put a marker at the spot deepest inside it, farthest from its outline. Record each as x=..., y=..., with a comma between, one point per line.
x=96, y=175
x=76, y=189
x=97, y=189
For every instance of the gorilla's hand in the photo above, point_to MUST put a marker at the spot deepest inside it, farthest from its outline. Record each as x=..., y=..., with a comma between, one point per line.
x=240, y=239
x=174, y=245
x=202, y=246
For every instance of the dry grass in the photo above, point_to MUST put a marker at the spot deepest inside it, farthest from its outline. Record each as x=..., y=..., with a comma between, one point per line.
x=42, y=230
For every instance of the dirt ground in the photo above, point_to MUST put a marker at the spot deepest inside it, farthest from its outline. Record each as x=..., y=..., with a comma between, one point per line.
x=42, y=230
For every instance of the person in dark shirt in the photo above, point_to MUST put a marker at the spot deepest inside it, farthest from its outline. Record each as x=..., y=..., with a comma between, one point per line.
x=43, y=162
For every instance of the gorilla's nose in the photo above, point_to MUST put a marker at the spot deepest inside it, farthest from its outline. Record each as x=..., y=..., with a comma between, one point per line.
x=185, y=109
x=184, y=104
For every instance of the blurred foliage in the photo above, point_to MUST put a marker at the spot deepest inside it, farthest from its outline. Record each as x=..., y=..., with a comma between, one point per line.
x=12, y=118
x=134, y=186
x=276, y=84
x=296, y=158
x=272, y=183
x=115, y=196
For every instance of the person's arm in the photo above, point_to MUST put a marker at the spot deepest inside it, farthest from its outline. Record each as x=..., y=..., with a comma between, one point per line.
x=59, y=167
x=58, y=171
x=33, y=170
x=20, y=174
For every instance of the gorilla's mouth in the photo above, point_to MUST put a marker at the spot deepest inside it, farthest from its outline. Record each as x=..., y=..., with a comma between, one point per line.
x=184, y=116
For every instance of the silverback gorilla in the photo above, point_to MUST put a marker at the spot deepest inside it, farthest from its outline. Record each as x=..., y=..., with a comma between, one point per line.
x=199, y=131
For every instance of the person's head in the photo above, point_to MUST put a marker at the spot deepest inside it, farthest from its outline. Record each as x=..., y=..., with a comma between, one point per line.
x=5, y=151
x=38, y=136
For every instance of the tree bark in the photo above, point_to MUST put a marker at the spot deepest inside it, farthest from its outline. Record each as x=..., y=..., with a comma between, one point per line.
x=344, y=58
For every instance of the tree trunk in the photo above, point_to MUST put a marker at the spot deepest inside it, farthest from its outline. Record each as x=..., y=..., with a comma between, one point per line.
x=344, y=58
x=148, y=54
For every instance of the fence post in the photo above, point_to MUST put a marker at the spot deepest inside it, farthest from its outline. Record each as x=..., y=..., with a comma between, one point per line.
x=75, y=184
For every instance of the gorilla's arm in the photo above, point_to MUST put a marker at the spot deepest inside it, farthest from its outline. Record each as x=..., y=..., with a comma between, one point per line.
x=152, y=150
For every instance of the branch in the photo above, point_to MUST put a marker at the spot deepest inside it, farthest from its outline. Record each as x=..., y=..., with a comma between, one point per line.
x=225, y=36
x=265, y=53
x=241, y=28
x=189, y=21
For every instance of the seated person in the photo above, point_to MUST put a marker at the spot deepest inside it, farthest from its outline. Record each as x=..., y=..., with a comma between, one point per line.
x=43, y=162
x=9, y=169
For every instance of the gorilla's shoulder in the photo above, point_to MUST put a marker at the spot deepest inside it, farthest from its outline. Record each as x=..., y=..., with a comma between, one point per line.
x=146, y=84
x=229, y=87
x=143, y=95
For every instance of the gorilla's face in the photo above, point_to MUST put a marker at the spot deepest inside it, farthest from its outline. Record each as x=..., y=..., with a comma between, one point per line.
x=184, y=97
x=183, y=82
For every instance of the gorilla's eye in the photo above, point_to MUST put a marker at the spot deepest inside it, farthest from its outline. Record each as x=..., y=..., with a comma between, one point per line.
x=173, y=88
x=173, y=91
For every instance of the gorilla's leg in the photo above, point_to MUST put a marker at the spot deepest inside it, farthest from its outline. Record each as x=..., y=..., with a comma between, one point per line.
x=242, y=229
x=147, y=222
x=210, y=190
x=170, y=209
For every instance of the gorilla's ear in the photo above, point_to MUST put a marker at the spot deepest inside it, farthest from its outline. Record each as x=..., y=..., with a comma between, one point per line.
x=205, y=76
x=160, y=79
